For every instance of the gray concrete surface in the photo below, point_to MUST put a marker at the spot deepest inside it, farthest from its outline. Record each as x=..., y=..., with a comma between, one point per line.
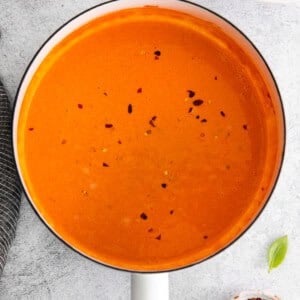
x=41, y=267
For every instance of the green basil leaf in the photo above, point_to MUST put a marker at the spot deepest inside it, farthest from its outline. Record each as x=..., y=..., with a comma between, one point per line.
x=277, y=252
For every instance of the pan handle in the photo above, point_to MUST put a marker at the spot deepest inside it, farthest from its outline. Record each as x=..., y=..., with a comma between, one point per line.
x=150, y=286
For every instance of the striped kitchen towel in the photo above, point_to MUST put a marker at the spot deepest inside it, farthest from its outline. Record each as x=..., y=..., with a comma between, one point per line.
x=10, y=188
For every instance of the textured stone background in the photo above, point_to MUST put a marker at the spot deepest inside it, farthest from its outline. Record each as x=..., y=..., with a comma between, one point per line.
x=41, y=267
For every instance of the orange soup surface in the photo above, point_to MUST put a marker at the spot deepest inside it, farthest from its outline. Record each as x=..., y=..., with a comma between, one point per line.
x=144, y=139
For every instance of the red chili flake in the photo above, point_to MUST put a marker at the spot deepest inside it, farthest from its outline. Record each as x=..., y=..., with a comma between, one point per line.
x=191, y=93
x=149, y=131
x=143, y=216
x=80, y=106
x=30, y=128
x=222, y=113
x=105, y=94
x=119, y=142
x=158, y=237
x=156, y=57
x=150, y=230
x=203, y=121
x=197, y=117
x=164, y=185
x=227, y=167
x=105, y=165
x=63, y=141
x=171, y=212
x=130, y=108
x=262, y=188
x=139, y=90
x=202, y=134
x=268, y=95
x=154, y=118
x=190, y=109
x=216, y=77
x=157, y=53
x=205, y=237
x=108, y=125
x=245, y=127
x=198, y=102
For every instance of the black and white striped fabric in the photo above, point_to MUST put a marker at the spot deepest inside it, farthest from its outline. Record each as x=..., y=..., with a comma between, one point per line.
x=10, y=189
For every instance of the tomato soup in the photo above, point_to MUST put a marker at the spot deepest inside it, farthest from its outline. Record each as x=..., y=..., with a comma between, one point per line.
x=150, y=139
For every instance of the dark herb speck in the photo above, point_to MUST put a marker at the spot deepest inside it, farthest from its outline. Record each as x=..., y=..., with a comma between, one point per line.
x=164, y=185
x=105, y=165
x=158, y=237
x=203, y=120
x=222, y=113
x=245, y=127
x=130, y=108
x=191, y=93
x=190, y=109
x=108, y=125
x=143, y=216
x=30, y=128
x=157, y=53
x=151, y=122
x=197, y=117
x=171, y=212
x=198, y=102
x=80, y=106
x=205, y=237
x=139, y=90
x=216, y=78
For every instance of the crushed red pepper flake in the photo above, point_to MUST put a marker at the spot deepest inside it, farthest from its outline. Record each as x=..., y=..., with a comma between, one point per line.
x=30, y=128
x=80, y=106
x=143, y=216
x=216, y=78
x=105, y=165
x=108, y=125
x=222, y=113
x=158, y=237
x=203, y=120
x=139, y=90
x=129, y=108
x=198, y=102
x=156, y=57
x=105, y=94
x=197, y=117
x=171, y=212
x=119, y=142
x=150, y=230
x=227, y=167
x=202, y=134
x=164, y=185
x=190, y=109
x=149, y=131
x=191, y=93
x=205, y=237
x=245, y=126
x=63, y=141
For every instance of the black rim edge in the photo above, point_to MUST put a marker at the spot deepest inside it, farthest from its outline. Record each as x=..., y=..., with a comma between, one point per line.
x=241, y=233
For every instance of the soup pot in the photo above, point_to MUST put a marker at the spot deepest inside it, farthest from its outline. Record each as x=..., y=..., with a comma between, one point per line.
x=152, y=285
